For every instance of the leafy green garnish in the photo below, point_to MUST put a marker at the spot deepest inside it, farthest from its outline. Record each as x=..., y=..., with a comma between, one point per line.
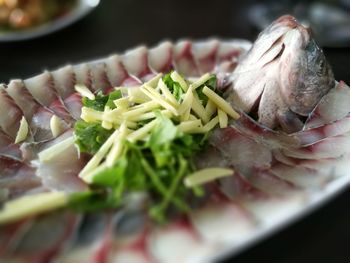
x=156, y=166
x=117, y=94
x=90, y=136
x=101, y=100
x=173, y=86
x=91, y=201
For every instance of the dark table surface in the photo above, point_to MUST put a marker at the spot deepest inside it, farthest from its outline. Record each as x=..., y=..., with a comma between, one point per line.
x=117, y=25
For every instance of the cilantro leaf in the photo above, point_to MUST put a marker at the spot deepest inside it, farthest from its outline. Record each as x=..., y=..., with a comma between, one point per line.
x=90, y=136
x=112, y=175
x=173, y=86
x=117, y=94
x=165, y=131
x=98, y=103
x=101, y=100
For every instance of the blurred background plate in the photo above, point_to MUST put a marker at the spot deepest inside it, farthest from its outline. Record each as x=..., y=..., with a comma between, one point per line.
x=81, y=9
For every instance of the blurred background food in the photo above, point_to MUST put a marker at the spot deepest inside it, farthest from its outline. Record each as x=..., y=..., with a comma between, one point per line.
x=23, y=14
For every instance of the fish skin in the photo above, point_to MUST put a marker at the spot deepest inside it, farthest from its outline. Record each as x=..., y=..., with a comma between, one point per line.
x=284, y=75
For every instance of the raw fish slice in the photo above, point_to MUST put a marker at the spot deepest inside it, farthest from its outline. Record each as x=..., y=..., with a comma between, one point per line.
x=183, y=59
x=60, y=173
x=119, y=75
x=57, y=228
x=90, y=238
x=38, y=117
x=331, y=147
x=270, y=211
x=41, y=125
x=61, y=111
x=17, y=177
x=74, y=104
x=8, y=148
x=236, y=187
x=205, y=55
x=211, y=157
x=99, y=79
x=23, y=98
x=214, y=223
x=263, y=135
x=129, y=240
x=10, y=121
x=64, y=81
x=240, y=151
x=30, y=150
x=332, y=107
x=335, y=167
x=42, y=89
x=329, y=167
x=251, y=159
x=302, y=176
x=93, y=75
x=136, y=62
x=115, y=70
x=160, y=58
x=181, y=239
x=314, y=135
x=103, y=237
x=232, y=50
x=131, y=81
x=280, y=157
x=83, y=74
x=11, y=234
x=228, y=55
x=266, y=181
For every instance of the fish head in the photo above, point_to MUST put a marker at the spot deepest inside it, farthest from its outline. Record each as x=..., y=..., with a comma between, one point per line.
x=284, y=74
x=305, y=74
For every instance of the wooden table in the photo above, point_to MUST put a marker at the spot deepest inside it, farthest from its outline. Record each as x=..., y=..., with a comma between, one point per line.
x=117, y=25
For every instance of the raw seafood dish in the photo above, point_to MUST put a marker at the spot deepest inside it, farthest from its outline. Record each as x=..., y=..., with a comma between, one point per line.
x=184, y=152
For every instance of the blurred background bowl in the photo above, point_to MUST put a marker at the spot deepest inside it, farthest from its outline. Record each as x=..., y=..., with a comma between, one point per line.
x=80, y=9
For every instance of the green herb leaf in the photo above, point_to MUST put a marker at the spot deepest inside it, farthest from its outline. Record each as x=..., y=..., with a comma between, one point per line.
x=173, y=86
x=101, y=100
x=165, y=131
x=111, y=176
x=98, y=103
x=90, y=136
x=117, y=94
